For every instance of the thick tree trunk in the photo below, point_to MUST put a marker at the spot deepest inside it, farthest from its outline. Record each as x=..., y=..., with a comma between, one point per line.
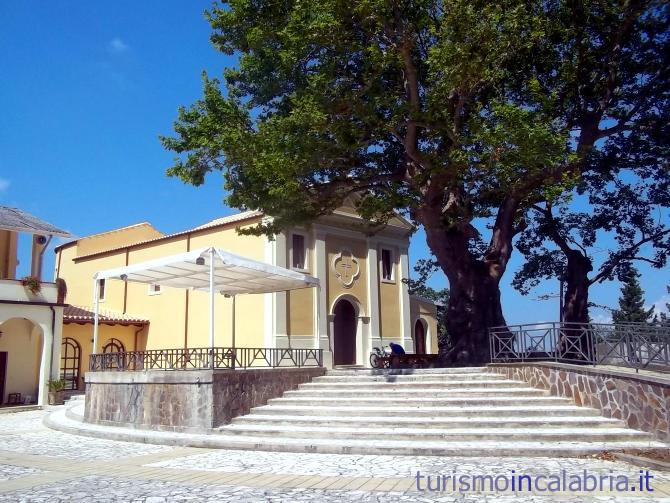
x=576, y=298
x=576, y=341
x=474, y=307
x=474, y=292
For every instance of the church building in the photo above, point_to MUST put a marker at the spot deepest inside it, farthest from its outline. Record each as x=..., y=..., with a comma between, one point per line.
x=362, y=302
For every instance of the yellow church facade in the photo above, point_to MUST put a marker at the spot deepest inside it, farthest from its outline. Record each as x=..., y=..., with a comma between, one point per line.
x=363, y=300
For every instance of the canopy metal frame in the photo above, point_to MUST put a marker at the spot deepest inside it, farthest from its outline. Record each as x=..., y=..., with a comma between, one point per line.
x=211, y=269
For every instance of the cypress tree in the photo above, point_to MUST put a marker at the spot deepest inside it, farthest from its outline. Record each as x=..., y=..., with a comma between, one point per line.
x=631, y=301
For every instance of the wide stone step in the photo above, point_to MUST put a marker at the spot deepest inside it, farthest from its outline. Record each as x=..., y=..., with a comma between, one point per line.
x=510, y=421
x=356, y=401
x=401, y=410
x=432, y=448
x=416, y=372
x=408, y=378
x=394, y=394
x=383, y=385
x=422, y=434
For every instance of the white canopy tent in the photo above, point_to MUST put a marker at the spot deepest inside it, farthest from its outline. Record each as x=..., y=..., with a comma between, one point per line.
x=210, y=269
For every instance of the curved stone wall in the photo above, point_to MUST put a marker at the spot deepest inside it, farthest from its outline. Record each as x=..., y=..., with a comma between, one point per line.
x=189, y=400
x=641, y=400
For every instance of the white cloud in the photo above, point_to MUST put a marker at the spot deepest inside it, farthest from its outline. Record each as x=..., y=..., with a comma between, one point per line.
x=602, y=318
x=117, y=46
x=4, y=184
x=660, y=305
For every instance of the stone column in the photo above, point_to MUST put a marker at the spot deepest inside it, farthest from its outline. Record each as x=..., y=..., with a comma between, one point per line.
x=45, y=363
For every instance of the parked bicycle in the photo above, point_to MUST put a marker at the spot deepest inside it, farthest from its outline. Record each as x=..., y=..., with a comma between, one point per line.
x=379, y=357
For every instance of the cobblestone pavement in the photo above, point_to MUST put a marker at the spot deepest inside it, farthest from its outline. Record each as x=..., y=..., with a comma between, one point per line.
x=41, y=465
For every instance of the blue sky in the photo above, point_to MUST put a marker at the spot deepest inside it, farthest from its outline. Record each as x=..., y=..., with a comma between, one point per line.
x=86, y=89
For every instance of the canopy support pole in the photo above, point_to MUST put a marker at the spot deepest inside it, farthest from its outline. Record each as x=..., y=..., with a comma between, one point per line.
x=317, y=341
x=211, y=306
x=234, y=297
x=96, y=313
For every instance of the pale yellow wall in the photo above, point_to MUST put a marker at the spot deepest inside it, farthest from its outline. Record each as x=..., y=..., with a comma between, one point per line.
x=79, y=278
x=83, y=334
x=116, y=238
x=167, y=311
x=249, y=309
x=428, y=312
x=300, y=306
x=8, y=254
x=300, y=303
x=390, y=314
x=22, y=340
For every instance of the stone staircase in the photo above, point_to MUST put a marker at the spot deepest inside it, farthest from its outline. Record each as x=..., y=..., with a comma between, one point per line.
x=463, y=412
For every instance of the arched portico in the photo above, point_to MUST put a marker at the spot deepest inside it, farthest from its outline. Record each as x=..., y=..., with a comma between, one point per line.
x=37, y=330
x=21, y=349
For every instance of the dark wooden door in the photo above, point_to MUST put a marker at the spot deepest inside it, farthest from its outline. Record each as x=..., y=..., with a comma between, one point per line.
x=345, y=334
x=419, y=338
x=3, y=373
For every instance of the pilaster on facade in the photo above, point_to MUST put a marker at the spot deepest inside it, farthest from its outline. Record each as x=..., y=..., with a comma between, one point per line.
x=373, y=291
x=405, y=315
x=321, y=339
x=280, y=304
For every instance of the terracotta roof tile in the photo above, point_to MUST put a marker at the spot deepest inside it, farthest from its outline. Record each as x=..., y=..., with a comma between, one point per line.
x=82, y=315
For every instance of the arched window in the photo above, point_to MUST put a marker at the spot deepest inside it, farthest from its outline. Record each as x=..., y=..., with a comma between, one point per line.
x=70, y=362
x=113, y=346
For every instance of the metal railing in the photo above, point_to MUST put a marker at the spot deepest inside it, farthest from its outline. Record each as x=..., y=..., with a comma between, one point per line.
x=635, y=345
x=206, y=358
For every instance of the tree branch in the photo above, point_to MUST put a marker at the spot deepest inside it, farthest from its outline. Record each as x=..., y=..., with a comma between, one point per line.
x=627, y=254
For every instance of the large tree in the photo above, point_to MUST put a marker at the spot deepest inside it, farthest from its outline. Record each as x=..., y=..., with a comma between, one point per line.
x=461, y=114
x=628, y=219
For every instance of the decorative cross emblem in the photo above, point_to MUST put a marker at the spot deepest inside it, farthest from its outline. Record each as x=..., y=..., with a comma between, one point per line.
x=346, y=267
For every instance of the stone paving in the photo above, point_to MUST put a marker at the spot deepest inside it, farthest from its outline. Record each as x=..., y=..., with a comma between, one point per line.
x=8, y=472
x=40, y=465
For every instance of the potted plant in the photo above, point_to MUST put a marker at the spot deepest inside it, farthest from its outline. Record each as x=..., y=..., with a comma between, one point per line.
x=56, y=391
x=61, y=286
x=32, y=284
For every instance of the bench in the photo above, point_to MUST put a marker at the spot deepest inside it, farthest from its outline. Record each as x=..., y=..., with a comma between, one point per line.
x=409, y=361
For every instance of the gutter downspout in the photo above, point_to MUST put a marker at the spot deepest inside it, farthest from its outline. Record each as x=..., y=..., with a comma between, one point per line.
x=53, y=337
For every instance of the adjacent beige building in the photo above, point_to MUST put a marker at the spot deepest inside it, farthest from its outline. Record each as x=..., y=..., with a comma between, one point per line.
x=362, y=301
x=31, y=312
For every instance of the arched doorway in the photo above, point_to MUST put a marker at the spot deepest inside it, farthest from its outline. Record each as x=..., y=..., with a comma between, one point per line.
x=419, y=337
x=70, y=363
x=344, y=325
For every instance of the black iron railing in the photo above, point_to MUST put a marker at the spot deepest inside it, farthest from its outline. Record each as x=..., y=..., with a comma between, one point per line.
x=636, y=345
x=206, y=358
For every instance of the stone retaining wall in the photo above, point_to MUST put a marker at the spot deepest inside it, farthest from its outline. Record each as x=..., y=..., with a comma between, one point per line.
x=191, y=400
x=641, y=400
